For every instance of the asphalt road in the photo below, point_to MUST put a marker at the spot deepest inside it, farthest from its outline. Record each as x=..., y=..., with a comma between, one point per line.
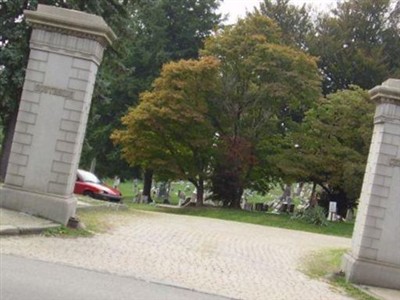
x=22, y=278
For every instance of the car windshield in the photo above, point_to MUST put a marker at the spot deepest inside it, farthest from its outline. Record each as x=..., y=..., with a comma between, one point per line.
x=88, y=177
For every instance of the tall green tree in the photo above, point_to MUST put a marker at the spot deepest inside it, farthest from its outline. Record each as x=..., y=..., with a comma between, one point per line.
x=358, y=43
x=331, y=146
x=295, y=22
x=266, y=87
x=13, y=59
x=159, y=31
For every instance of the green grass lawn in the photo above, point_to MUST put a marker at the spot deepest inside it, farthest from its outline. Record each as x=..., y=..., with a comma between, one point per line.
x=325, y=264
x=129, y=190
x=260, y=218
x=266, y=219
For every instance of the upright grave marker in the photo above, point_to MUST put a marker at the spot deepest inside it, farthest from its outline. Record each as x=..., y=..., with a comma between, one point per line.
x=375, y=255
x=66, y=49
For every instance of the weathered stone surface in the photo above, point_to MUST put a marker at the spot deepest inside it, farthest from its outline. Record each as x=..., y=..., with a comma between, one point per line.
x=74, y=23
x=375, y=256
x=66, y=49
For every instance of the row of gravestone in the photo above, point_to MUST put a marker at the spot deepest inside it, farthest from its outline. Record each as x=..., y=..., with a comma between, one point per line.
x=262, y=207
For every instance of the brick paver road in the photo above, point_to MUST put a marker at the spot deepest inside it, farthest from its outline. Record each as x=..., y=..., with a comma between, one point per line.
x=232, y=259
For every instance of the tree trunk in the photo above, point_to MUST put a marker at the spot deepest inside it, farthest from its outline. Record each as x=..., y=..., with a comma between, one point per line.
x=200, y=192
x=313, y=198
x=6, y=145
x=236, y=198
x=147, y=181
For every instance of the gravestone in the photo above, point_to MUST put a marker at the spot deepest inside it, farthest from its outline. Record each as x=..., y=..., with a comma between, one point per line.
x=375, y=255
x=66, y=48
x=259, y=206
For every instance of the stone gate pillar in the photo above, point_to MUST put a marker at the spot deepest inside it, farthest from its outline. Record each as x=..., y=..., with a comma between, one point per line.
x=375, y=255
x=66, y=50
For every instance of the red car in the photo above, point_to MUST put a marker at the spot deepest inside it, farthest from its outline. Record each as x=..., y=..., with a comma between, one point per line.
x=89, y=185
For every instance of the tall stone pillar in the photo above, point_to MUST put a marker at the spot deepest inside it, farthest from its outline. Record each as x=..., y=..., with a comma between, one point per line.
x=375, y=255
x=66, y=49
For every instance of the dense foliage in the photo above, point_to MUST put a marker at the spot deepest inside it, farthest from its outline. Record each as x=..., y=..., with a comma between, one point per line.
x=331, y=146
x=357, y=42
x=266, y=87
x=247, y=112
x=169, y=130
x=255, y=91
x=158, y=31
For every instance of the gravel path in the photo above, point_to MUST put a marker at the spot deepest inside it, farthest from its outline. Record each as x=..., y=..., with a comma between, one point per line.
x=230, y=259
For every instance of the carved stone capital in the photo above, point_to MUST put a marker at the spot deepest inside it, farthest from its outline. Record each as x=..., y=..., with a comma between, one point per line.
x=70, y=22
x=388, y=92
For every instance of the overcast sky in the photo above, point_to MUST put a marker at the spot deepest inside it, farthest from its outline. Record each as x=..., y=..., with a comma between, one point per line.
x=238, y=8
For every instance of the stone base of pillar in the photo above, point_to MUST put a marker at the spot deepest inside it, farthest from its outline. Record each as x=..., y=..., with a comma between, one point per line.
x=47, y=206
x=373, y=273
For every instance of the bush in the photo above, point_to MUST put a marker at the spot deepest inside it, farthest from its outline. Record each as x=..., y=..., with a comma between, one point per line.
x=313, y=215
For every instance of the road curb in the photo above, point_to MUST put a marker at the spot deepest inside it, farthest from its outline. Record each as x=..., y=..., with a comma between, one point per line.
x=7, y=230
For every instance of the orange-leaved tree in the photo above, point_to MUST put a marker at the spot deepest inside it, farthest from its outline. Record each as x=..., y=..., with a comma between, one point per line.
x=171, y=130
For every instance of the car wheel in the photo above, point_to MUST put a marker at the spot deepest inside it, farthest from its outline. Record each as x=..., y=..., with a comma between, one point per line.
x=89, y=194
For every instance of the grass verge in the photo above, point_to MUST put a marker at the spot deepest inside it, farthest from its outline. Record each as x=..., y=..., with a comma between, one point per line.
x=93, y=221
x=325, y=265
x=64, y=231
x=98, y=221
x=267, y=219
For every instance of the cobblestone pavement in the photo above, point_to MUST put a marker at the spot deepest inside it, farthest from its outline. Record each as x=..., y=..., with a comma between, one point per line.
x=231, y=259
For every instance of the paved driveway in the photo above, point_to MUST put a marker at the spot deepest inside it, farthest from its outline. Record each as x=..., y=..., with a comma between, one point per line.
x=232, y=259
